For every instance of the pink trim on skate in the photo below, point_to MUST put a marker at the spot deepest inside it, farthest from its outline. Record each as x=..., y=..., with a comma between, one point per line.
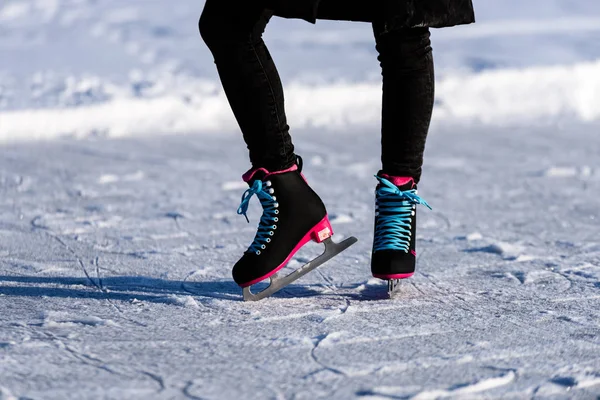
x=399, y=180
x=393, y=276
x=318, y=233
x=247, y=177
x=413, y=252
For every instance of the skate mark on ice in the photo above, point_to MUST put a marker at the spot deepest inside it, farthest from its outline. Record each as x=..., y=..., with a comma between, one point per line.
x=156, y=378
x=82, y=357
x=186, y=391
x=317, y=341
x=96, y=362
x=546, y=283
x=77, y=258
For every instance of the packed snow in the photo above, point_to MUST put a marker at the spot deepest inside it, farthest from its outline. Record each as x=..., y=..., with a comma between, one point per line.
x=118, y=230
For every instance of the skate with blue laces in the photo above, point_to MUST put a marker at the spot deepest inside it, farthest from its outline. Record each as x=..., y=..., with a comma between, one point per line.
x=293, y=215
x=394, y=245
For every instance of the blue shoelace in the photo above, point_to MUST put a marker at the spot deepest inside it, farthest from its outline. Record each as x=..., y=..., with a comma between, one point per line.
x=269, y=219
x=395, y=210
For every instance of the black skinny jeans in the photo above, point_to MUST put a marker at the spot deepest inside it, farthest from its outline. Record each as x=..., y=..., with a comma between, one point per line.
x=232, y=29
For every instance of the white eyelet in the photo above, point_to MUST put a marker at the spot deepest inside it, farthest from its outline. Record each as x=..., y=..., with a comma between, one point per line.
x=268, y=183
x=274, y=227
x=276, y=219
x=377, y=214
x=268, y=240
x=271, y=191
x=276, y=211
x=258, y=252
x=263, y=247
x=271, y=233
x=406, y=251
x=276, y=205
x=274, y=198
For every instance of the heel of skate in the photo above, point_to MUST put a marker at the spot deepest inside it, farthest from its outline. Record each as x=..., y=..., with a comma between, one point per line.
x=322, y=231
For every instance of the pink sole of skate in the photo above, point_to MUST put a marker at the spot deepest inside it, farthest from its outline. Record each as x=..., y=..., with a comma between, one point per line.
x=394, y=276
x=318, y=233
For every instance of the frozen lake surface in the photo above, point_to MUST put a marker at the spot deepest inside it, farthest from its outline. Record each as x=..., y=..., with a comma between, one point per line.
x=115, y=260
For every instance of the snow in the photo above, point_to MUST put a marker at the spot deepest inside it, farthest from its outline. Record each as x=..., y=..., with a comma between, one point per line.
x=120, y=169
x=503, y=97
x=77, y=68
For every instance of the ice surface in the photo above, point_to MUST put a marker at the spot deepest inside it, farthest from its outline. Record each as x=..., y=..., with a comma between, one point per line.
x=115, y=260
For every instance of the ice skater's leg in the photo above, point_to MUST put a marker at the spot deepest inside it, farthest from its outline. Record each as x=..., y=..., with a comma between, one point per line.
x=232, y=29
x=408, y=97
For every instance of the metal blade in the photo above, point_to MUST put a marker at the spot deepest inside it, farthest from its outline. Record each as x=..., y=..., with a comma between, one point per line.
x=332, y=249
x=393, y=285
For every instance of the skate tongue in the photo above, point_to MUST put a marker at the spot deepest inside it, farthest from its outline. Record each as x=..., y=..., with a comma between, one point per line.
x=402, y=182
x=255, y=174
x=262, y=173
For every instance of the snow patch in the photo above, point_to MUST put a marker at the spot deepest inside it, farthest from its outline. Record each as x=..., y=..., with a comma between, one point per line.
x=59, y=319
x=468, y=389
x=471, y=237
x=108, y=178
x=182, y=301
x=494, y=97
x=508, y=251
x=474, y=236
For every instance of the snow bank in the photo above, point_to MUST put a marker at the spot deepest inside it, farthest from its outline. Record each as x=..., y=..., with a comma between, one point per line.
x=492, y=97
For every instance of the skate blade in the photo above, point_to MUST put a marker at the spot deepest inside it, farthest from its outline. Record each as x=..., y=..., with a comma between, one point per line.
x=332, y=249
x=393, y=287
